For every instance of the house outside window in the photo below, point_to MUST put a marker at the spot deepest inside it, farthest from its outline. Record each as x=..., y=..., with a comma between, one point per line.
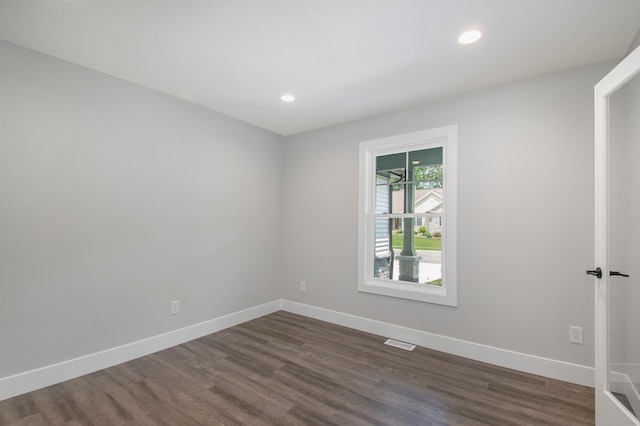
x=407, y=217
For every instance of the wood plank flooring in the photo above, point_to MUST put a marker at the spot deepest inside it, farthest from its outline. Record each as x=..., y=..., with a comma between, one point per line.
x=285, y=369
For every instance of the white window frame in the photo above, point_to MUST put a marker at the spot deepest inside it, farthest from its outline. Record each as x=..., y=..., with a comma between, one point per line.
x=445, y=137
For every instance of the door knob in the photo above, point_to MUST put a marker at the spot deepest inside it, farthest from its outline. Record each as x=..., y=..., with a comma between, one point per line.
x=612, y=273
x=596, y=273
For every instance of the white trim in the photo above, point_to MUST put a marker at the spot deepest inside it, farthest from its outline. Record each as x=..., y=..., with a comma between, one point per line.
x=560, y=370
x=608, y=409
x=35, y=379
x=46, y=376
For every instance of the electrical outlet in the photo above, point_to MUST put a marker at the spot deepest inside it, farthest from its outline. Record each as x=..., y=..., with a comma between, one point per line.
x=575, y=335
x=175, y=307
x=303, y=286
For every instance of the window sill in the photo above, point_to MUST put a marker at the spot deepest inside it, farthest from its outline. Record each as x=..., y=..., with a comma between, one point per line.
x=411, y=291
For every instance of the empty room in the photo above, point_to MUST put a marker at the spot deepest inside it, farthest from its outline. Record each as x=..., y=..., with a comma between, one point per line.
x=356, y=212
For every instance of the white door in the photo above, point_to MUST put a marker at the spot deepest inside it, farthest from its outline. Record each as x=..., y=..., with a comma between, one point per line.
x=617, y=245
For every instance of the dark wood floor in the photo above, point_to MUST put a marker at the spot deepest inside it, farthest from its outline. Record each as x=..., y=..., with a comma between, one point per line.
x=286, y=369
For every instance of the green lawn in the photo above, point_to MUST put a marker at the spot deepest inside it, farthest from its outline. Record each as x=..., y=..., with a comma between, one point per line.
x=422, y=243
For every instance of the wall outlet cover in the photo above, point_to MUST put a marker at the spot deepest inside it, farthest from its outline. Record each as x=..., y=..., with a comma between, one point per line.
x=575, y=335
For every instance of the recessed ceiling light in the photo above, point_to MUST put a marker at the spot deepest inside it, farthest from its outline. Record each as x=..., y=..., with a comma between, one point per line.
x=287, y=98
x=469, y=37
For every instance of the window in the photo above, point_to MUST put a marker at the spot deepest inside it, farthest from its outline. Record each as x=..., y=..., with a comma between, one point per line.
x=407, y=216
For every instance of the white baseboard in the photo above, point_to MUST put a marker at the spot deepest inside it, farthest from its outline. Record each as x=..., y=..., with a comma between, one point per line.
x=46, y=376
x=546, y=367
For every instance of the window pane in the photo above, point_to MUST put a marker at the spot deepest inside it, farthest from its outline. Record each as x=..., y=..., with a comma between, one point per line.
x=383, y=194
x=388, y=182
x=417, y=260
x=429, y=200
x=382, y=252
x=397, y=198
x=428, y=176
x=426, y=157
x=389, y=196
x=391, y=162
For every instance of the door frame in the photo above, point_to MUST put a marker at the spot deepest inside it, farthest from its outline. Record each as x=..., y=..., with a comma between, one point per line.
x=608, y=409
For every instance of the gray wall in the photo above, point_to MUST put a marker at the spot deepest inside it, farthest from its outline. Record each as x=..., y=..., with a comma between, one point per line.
x=525, y=216
x=635, y=43
x=116, y=200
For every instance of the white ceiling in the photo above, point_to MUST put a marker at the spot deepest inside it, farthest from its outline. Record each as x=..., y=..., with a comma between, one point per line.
x=342, y=59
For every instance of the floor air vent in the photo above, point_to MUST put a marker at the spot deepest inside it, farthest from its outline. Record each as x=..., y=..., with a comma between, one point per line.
x=401, y=345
